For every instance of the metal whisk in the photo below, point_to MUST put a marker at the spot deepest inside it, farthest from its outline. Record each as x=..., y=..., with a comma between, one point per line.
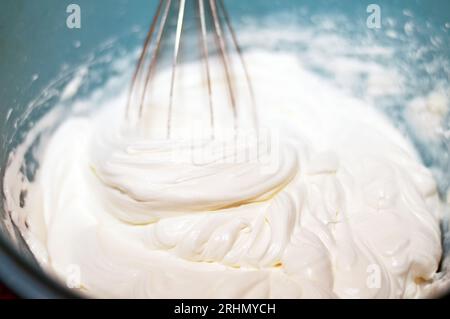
x=207, y=10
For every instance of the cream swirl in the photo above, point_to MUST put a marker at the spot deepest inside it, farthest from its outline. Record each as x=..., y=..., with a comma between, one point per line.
x=146, y=180
x=342, y=207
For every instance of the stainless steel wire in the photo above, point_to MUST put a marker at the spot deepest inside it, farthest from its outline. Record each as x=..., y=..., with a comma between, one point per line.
x=208, y=10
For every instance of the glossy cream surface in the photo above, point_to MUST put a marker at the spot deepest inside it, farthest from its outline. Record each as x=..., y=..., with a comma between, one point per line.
x=331, y=202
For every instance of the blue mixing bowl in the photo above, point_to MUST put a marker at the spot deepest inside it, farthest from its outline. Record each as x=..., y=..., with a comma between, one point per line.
x=39, y=54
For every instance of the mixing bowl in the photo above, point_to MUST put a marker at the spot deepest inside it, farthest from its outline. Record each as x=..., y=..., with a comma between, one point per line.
x=40, y=55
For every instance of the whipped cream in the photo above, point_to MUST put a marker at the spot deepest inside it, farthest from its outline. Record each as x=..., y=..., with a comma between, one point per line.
x=332, y=201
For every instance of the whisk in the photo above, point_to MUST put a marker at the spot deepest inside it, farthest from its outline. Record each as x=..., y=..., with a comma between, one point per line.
x=213, y=11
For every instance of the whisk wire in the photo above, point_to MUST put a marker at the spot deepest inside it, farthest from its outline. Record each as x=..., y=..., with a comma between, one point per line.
x=218, y=15
x=142, y=56
x=241, y=58
x=154, y=57
x=206, y=57
x=224, y=55
x=175, y=62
